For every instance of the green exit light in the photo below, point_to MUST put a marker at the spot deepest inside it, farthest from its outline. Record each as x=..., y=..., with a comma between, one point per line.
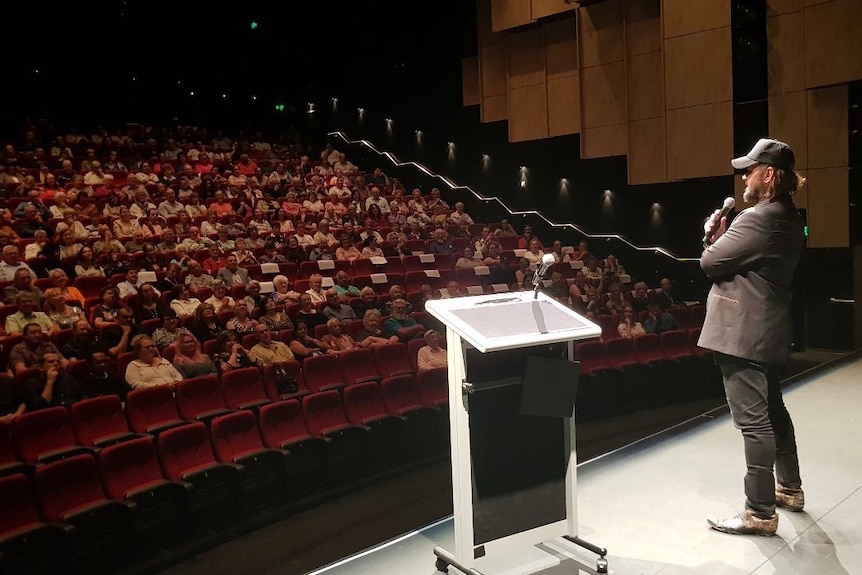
x=279, y=107
x=805, y=231
x=254, y=25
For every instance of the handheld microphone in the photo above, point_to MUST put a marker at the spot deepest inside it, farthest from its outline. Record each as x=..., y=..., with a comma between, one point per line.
x=547, y=261
x=728, y=205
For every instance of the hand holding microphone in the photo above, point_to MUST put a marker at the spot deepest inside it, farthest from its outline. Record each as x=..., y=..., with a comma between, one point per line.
x=716, y=223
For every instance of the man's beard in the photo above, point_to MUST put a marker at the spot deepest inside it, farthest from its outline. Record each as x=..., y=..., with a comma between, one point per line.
x=751, y=195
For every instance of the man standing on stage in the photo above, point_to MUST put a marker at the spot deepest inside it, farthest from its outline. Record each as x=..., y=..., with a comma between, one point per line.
x=748, y=326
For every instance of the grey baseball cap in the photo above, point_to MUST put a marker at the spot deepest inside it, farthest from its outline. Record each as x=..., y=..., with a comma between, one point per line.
x=767, y=151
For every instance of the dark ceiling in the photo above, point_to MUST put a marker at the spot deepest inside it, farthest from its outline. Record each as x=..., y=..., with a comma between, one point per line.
x=89, y=61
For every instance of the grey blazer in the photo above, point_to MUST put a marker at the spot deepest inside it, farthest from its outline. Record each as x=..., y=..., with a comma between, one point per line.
x=752, y=266
x=227, y=276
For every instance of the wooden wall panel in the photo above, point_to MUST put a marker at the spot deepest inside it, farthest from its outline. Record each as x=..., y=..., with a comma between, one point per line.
x=528, y=113
x=544, y=8
x=700, y=141
x=605, y=141
x=563, y=78
x=564, y=105
x=494, y=83
x=601, y=50
x=470, y=92
x=833, y=44
x=698, y=69
x=785, y=56
x=647, y=153
x=681, y=17
x=561, y=48
x=827, y=127
x=828, y=215
x=645, y=83
x=643, y=26
x=507, y=14
x=807, y=3
x=603, y=94
x=484, y=32
x=788, y=123
x=600, y=33
x=778, y=7
x=494, y=108
x=528, y=95
x=526, y=58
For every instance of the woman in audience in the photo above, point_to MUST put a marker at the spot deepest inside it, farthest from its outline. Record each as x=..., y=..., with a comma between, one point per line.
x=303, y=345
x=282, y=293
x=291, y=206
x=189, y=360
x=294, y=252
x=69, y=245
x=204, y=326
x=241, y=323
x=375, y=218
x=371, y=247
x=64, y=315
x=231, y=354
x=112, y=205
x=148, y=304
x=184, y=223
x=70, y=293
x=149, y=369
x=283, y=222
x=346, y=251
x=468, y=260
x=616, y=302
x=628, y=327
x=105, y=313
x=371, y=333
x=150, y=260
x=523, y=275
x=170, y=330
x=87, y=264
x=182, y=303
x=274, y=317
x=244, y=256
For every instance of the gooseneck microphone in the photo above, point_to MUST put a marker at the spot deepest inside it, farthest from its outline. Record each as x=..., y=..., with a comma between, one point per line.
x=728, y=205
x=548, y=260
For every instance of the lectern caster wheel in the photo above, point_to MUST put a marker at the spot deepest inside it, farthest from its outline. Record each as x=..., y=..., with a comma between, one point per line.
x=602, y=565
x=444, y=567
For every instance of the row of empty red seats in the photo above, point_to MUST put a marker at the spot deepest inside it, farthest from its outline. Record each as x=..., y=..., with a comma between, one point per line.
x=127, y=480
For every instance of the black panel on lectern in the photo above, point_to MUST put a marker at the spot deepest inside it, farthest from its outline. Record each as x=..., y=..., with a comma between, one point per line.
x=519, y=461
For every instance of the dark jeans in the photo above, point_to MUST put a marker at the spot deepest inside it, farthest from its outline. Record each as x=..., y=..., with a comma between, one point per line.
x=754, y=395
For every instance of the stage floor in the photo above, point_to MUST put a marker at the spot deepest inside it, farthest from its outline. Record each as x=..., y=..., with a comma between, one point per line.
x=647, y=502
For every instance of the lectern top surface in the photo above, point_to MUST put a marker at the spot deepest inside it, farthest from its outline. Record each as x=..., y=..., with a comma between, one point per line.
x=505, y=321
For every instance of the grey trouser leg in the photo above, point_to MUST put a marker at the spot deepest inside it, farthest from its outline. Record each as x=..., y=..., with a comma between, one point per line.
x=754, y=396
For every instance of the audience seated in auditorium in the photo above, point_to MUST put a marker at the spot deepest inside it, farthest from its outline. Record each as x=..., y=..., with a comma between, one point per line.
x=53, y=386
x=628, y=326
x=189, y=360
x=26, y=315
x=432, y=355
x=99, y=380
x=149, y=369
x=658, y=321
x=400, y=324
x=230, y=354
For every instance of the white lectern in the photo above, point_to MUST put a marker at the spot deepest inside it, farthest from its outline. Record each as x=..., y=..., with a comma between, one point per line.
x=513, y=472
